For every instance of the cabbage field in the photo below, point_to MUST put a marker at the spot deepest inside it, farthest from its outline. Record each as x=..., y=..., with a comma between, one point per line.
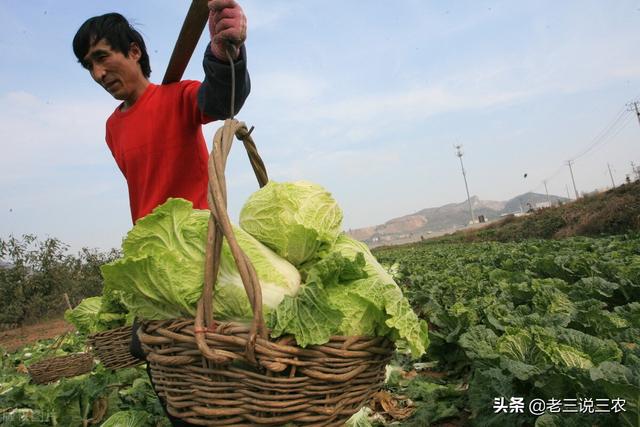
x=536, y=333
x=542, y=333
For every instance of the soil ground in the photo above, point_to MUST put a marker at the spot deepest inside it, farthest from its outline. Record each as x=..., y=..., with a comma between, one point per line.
x=13, y=339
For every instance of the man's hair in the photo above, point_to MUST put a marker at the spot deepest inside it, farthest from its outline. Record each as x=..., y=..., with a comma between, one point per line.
x=116, y=30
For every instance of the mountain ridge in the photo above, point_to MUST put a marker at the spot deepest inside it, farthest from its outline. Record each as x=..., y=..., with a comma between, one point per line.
x=447, y=218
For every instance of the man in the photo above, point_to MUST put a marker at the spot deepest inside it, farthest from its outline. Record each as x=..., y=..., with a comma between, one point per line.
x=155, y=134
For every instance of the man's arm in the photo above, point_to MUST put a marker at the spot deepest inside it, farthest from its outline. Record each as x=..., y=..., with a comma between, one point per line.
x=228, y=31
x=214, y=95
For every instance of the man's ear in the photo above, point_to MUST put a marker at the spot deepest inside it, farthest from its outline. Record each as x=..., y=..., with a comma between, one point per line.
x=134, y=51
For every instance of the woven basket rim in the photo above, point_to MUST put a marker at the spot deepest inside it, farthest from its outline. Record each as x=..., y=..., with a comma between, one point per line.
x=111, y=348
x=56, y=359
x=109, y=332
x=53, y=368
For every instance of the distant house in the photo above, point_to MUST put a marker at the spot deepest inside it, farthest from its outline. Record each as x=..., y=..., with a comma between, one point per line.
x=541, y=205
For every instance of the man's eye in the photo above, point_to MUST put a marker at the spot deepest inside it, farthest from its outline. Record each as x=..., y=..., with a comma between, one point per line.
x=100, y=57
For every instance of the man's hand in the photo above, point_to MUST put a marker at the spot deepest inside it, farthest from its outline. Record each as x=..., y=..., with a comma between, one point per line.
x=227, y=26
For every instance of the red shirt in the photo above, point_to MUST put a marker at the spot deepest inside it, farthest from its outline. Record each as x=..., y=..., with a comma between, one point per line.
x=159, y=147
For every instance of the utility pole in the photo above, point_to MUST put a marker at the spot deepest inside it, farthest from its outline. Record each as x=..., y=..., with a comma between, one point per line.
x=464, y=175
x=547, y=191
x=635, y=170
x=569, y=162
x=635, y=107
x=521, y=207
x=613, y=184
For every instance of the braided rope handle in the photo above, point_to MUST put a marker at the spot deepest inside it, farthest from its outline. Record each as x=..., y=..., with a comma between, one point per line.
x=219, y=227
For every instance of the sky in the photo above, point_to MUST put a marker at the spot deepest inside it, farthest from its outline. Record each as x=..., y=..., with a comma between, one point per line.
x=366, y=98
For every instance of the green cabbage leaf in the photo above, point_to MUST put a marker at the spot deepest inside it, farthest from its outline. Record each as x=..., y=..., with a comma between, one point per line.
x=161, y=275
x=298, y=220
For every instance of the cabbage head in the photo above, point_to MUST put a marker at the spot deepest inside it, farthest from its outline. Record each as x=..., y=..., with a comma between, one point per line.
x=374, y=305
x=130, y=418
x=298, y=220
x=98, y=314
x=84, y=316
x=347, y=292
x=161, y=274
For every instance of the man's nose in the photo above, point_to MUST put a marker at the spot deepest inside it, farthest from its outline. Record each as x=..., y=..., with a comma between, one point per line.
x=98, y=72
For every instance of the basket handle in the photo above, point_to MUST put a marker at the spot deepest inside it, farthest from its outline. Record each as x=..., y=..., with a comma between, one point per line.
x=219, y=227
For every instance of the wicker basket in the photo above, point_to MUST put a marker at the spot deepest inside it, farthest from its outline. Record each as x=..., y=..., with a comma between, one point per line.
x=54, y=368
x=111, y=348
x=223, y=374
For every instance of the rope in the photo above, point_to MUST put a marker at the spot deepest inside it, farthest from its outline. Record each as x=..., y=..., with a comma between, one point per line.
x=228, y=51
x=220, y=227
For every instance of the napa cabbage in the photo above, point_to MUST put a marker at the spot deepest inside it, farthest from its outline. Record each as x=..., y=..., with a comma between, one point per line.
x=161, y=274
x=298, y=220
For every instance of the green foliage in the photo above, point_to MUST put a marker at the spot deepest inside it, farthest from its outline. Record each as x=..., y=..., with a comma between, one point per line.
x=83, y=400
x=348, y=293
x=539, y=319
x=98, y=314
x=37, y=274
x=128, y=419
x=535, y=319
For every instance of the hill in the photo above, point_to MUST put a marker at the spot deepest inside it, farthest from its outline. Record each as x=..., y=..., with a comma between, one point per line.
x=616, y=211
x=445, y=219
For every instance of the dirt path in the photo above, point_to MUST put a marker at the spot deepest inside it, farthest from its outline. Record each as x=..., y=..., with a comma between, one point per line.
x=13, y=339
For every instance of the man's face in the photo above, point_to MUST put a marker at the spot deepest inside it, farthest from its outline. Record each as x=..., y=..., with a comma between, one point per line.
x=117, y=74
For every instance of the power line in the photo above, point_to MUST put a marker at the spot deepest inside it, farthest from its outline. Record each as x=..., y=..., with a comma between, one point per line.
x=613, y=135
x=553, y=175
x=611, y=130
x=606, y=134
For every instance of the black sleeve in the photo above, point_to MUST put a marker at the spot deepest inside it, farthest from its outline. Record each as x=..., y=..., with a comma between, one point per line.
x=214, y=95
x=135, y=347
